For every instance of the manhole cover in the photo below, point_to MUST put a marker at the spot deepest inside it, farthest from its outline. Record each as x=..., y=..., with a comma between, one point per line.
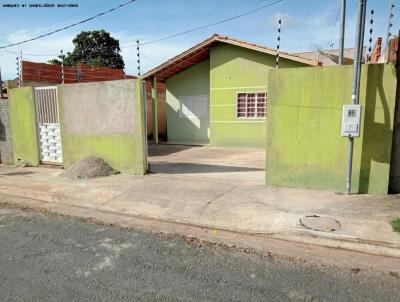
x=318, y=223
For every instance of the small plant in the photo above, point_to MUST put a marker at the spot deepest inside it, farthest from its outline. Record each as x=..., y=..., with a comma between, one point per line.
x=396, y=225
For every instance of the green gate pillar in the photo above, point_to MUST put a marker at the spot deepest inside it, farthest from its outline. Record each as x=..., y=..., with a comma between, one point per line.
x=154, y=99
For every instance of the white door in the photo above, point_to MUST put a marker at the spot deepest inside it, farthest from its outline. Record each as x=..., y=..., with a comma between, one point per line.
x=48, y=125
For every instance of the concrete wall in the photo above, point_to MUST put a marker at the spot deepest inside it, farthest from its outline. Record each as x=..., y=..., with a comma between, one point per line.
x=6, y=153
x=235, y=69
x=23, y=125
x=191, y=82
x=304, y=146
x=103, y=119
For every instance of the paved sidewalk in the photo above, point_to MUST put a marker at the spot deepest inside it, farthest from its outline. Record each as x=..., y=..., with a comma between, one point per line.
x=219, y=204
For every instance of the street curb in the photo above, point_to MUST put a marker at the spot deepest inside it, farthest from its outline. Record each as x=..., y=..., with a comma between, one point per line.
x=306, y=237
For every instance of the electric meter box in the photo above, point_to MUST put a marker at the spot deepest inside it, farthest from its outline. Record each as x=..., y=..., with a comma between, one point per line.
x=351, y=120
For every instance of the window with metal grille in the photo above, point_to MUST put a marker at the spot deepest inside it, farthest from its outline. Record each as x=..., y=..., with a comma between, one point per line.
x=251, y=105
x=194, y=106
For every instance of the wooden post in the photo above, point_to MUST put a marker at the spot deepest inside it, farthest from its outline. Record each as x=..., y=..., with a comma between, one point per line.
x=154, y=99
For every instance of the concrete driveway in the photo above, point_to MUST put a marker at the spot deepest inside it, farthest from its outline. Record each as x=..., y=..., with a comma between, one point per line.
x=234, y=165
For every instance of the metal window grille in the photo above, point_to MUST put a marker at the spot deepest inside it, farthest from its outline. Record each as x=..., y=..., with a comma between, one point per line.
x=46, y=104
x=251, y=105
x=195, y=106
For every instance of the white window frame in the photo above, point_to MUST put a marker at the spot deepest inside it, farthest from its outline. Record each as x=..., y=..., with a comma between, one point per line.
x=255, y=117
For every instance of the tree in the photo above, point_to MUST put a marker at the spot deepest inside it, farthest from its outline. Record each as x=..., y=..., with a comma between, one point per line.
x=96, y=48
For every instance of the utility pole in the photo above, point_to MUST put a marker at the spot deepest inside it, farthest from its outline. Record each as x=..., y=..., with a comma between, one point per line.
x=18, y=73
x=138, y=56
x=62, y=66
x=342, y=31
x=279, y=44
x=371, y=30
x=356, y=81
x=22, y=70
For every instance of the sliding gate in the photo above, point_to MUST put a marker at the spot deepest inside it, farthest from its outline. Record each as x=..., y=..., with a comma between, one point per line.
x=48, y=125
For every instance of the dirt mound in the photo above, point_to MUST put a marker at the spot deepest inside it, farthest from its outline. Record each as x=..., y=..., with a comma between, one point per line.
x=89, y=167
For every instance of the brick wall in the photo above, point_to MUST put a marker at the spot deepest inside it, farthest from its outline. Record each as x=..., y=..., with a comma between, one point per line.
x=6, y=155
x=48, y=73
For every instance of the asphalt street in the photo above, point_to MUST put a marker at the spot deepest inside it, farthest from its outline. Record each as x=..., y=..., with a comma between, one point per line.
x=51, y=258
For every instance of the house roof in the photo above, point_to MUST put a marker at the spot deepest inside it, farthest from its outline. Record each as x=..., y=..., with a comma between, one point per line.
x=331, y=56
x=201, y=51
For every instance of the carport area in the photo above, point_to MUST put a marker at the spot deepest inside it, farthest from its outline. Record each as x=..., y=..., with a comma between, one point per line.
x=234, y=165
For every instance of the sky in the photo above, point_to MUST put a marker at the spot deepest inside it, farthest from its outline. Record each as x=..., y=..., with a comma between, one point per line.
x=307, y=25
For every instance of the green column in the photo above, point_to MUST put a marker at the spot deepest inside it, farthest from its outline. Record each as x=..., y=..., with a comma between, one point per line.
x=154, y=98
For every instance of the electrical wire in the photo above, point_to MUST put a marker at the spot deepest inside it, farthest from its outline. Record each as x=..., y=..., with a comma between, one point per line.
x=55, y=22
x=334, y=26
x=96, y=54
x=206, y=25
x=163, y=38
x=69, y=26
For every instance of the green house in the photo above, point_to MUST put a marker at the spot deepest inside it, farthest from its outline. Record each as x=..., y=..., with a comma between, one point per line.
x=216, y=92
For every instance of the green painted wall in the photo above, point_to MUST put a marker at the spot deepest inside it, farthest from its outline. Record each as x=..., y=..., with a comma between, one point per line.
x=235, y=69
x=304, y=146
x=120, y=151
x=190, y=82
x=124, y=150
x=23, y=125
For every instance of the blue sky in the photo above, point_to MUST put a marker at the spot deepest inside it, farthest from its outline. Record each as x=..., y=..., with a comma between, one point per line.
x=307, y=24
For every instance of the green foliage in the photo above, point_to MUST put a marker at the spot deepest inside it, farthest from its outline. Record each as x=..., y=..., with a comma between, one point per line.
x=96, y=48
x=396, y=225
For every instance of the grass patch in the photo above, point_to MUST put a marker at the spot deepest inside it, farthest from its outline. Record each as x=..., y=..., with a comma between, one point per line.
x=396, y=225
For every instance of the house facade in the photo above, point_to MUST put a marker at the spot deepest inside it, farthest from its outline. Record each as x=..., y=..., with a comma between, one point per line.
x=216, y=92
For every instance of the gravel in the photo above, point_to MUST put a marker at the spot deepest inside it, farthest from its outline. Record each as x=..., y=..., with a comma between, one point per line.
x=89, y=167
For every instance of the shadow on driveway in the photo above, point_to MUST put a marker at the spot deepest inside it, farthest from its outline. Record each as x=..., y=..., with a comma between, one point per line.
x=183, y=168
x=163, y=150
x=20, y=173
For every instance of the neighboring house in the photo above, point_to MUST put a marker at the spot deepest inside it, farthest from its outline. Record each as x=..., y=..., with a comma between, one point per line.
x=330, y=57
x=217, y=92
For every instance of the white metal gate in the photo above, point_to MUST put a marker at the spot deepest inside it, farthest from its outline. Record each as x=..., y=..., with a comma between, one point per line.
x=48, y=125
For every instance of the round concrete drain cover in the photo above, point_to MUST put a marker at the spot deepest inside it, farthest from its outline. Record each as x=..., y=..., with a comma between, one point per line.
x=318, y=223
